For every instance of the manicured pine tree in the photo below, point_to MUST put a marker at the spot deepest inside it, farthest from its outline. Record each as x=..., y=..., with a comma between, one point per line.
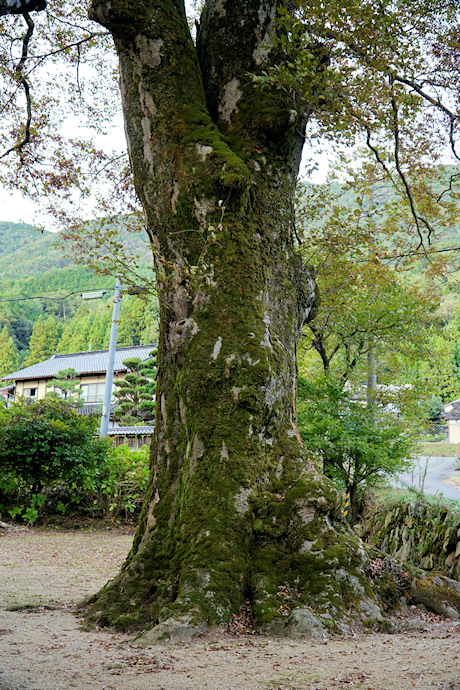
x=135, y=394
x=67, y=382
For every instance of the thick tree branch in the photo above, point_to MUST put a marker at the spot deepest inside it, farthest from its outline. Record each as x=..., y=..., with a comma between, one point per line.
x=396, y=136
x=233, y=38
x=235, y=41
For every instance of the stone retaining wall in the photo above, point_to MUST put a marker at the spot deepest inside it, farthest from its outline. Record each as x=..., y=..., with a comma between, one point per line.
x=425, y=535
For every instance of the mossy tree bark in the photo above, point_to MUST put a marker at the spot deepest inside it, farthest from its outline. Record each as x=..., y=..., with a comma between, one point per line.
x=234, y=509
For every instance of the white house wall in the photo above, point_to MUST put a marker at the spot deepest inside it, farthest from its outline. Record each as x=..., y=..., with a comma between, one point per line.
x=454, y=431
x=45, y=385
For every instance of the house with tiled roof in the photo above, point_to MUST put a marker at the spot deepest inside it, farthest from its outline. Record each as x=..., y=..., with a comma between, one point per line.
x=132, y=436
x=35, y=381
x=452, y=417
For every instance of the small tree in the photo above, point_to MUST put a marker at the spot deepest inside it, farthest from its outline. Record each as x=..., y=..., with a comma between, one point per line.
x=136, y=392
x=435, y=409
x=68, y=382
x=357, y=445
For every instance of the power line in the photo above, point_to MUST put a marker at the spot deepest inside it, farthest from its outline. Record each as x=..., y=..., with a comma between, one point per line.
x=59, y=299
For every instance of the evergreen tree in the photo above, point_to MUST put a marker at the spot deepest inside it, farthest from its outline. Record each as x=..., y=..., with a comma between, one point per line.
x=68, y=382
x=65, y=341
x=52, y=332
x=75, y=335
x=132, y=321
x=80, y=336
x=43, y=341
x=99, y=333
x=150, y=332
x=9, y=357
x=136, y=392
x=38, y=350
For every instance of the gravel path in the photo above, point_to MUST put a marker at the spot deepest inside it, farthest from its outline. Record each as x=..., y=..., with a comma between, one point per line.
x=45, y=649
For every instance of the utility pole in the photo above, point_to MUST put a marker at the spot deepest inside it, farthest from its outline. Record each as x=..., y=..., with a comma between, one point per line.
x=371, y=375
x=371, y=363
x=111, y=360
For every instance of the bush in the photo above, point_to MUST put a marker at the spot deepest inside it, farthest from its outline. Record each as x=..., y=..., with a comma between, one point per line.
x=357, y=445
x=44, y=443
x=117, y=486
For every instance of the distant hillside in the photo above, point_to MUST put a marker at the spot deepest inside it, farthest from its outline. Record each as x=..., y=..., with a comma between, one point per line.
x=33, y=264
x=25, y=252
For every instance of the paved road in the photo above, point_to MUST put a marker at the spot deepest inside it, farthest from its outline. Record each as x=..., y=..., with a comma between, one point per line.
x=438, y=470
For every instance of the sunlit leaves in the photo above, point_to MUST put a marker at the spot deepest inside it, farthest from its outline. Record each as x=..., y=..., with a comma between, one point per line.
x=384, y=73
x=366, y=305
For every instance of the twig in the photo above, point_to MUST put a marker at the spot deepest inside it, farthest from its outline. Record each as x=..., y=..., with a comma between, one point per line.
x=25, y=84
x=418, y=219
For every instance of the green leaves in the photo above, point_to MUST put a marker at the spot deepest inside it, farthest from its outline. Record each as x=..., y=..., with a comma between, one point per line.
x=384, y=74
x=43, y=341
x=9, y=357
x=42, y=443
x=47, y=448
x=136, y=393
x=356, y=444
x=368, y=303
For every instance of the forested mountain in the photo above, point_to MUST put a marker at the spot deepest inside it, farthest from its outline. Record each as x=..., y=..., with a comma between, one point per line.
x=24, y=251
x=35, y=276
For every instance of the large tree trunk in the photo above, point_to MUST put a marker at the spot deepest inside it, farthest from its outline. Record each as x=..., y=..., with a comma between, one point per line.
x=235, y=510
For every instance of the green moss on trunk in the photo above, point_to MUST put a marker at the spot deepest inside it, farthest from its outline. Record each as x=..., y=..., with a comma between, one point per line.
x=234, y=510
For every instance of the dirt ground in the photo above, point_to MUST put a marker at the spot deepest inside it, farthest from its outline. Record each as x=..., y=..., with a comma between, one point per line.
x=44, y=648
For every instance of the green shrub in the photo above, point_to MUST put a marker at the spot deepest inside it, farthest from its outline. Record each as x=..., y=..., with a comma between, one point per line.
x=44, y=443
x=52, y=461
x=356, y=445
x=117, y=487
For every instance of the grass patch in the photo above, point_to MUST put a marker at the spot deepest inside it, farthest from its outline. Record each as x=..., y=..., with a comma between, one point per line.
x=438, y=449
x=391, y=497
x=32, y=608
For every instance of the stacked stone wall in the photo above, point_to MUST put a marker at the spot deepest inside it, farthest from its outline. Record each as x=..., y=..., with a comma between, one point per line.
x=423, y=534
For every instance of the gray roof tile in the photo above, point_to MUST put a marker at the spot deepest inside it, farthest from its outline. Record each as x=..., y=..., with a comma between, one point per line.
x=130, y=430
x=452, y=410
x=83, y=362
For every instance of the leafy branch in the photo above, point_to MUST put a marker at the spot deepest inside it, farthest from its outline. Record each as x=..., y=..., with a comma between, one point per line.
x=19, y=74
